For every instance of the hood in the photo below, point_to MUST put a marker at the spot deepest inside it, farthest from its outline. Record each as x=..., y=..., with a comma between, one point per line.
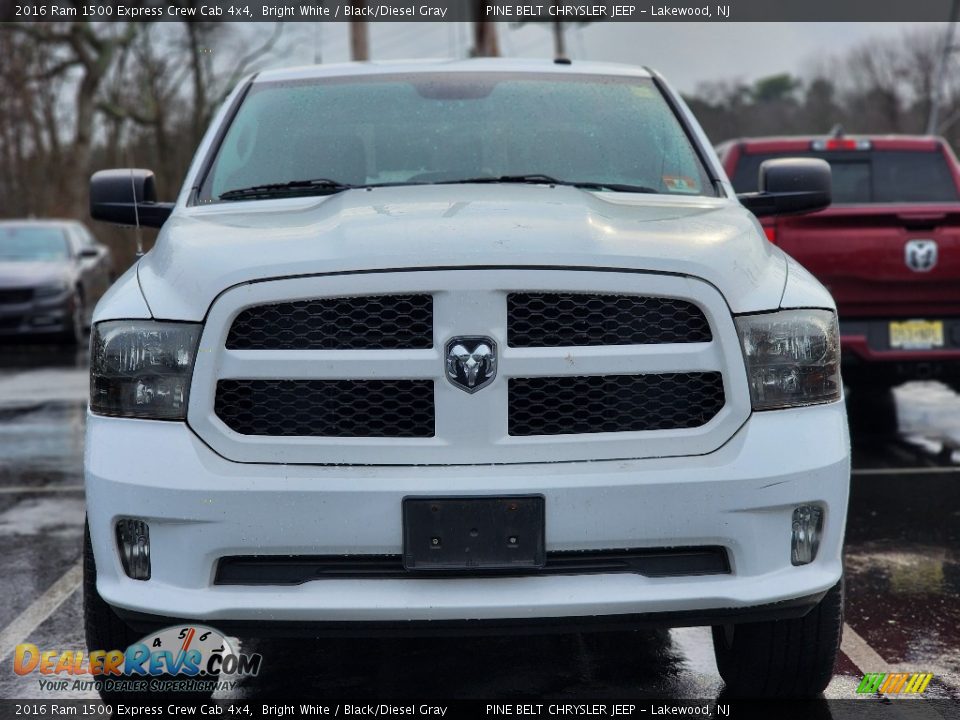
x=205, y=250
x=32, y=274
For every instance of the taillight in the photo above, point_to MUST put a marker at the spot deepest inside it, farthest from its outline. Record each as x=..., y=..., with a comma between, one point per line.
x=771, y=232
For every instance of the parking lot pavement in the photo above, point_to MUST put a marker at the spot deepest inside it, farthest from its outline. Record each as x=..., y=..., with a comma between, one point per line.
x=903, y=574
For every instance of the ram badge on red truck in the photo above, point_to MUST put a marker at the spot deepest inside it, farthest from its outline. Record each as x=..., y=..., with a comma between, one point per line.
x=887, y=248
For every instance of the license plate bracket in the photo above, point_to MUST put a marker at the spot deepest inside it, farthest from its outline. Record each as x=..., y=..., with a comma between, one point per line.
x=474, y=534
x=916, y=334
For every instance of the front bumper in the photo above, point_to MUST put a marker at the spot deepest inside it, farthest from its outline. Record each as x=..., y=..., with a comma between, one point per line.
x=201, y=507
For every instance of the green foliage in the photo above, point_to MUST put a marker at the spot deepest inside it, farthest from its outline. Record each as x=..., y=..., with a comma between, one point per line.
x=774, y=88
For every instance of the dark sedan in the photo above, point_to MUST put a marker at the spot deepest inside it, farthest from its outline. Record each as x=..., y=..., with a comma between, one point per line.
x=52, y=273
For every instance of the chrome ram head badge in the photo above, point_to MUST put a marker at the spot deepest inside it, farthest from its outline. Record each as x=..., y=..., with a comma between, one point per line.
x=471, y=362
x=920, y=255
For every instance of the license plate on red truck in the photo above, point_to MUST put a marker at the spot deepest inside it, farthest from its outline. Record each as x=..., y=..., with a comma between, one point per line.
x=916, y=334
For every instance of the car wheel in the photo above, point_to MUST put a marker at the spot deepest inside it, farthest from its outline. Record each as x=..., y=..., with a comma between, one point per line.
x=782, y=658
x=73, y=333
x=106, y=631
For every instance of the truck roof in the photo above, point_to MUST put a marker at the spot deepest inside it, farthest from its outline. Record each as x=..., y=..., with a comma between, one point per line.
x=790, y=143
x=448, y=65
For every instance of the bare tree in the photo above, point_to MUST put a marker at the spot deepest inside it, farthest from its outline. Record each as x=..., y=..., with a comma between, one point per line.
x=89, y=48
x=75, y=97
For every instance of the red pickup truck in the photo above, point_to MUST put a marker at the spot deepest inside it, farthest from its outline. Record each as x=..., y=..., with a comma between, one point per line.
x=888, y=248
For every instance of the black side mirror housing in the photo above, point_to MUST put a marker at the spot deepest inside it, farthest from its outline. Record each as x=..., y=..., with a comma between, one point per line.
x=89, y=252
x=790, y=186
x=127, y=197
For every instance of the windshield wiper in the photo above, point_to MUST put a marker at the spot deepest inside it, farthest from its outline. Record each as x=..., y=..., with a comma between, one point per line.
x=532, y=179
x=315, y=186
x=616, y=187
x=326, y=186
x=540, y=179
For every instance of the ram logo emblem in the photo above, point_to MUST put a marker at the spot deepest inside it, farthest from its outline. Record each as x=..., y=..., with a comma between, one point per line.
x=921, y=255
x=471, y=362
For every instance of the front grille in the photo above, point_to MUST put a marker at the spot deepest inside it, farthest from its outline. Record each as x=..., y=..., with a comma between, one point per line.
x=577, y=319
x=12, y=296
x=351, y=370
x=296, y=569
x=373, y=322
x=613, y=403
x=327, y=408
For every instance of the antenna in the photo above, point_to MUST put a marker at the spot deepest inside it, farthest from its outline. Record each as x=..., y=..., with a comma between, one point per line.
x=136, y=215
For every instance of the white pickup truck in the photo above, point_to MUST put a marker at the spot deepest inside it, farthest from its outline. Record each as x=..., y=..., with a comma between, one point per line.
x=464, y=346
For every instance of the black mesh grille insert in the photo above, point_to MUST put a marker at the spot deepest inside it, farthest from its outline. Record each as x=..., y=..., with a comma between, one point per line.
x=327, y=408
x=15, y=295
x=575, y=319
x=613, y=403
x=296, y=569
x=373, y=322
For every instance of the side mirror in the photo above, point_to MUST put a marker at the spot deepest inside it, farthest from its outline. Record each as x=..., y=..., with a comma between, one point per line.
x=127, y=197
x=89, y=252
x=790, y=186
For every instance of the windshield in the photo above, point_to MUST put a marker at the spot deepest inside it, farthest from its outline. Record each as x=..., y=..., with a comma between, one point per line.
x=20, y=243
x=438, y=128
x=871, y=176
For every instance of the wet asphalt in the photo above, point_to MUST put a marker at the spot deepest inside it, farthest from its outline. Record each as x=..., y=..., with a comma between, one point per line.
x=902, y=560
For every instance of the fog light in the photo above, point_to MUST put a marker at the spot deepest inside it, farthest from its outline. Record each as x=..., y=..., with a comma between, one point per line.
x=807, y=527
x=133, y=541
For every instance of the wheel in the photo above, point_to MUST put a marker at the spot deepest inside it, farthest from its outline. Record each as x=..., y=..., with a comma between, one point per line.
x=782, y=658
x=106, y=631
x=872, y=409
x=73, y=333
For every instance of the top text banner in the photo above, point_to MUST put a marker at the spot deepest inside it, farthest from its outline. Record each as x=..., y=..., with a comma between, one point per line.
x=468, y=10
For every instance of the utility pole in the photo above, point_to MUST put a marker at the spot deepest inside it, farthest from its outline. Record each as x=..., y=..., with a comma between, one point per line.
x=484, y=34
x=559, y=41
x=359, y=35
x=933, y=122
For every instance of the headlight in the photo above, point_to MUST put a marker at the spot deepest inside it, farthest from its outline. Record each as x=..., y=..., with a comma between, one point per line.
x=141, y=368
x=792, y=357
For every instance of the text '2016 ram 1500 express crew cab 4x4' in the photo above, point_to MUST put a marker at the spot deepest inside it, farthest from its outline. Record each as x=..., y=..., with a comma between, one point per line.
x=469, y=345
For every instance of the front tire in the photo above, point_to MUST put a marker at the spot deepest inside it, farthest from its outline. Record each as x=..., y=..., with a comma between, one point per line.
x=106, y=631
x=782, y=658
x=73, y=333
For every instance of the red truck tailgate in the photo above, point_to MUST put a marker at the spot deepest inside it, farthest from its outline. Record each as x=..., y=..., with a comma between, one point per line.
x=874, y=258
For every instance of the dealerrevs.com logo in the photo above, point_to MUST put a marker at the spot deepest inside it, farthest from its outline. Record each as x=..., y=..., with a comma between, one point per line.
x=181, y=657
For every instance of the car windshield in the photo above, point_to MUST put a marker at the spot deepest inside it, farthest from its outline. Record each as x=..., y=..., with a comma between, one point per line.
x=871, y=176
x=318, y=136
x=19, y=243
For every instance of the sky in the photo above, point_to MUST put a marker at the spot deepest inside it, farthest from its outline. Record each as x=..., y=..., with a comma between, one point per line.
x=686, y=53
